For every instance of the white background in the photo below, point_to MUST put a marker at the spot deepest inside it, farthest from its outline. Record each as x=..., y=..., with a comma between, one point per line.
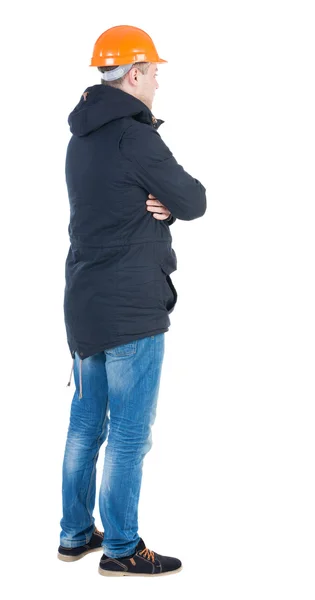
x=228, y=486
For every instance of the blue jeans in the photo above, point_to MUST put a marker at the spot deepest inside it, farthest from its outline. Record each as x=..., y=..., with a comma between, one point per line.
x=119, y=397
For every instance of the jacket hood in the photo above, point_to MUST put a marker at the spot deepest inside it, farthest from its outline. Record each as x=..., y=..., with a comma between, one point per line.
x=100, y=104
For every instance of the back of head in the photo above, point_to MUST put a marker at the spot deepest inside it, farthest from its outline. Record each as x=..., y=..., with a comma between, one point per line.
x=114, y=78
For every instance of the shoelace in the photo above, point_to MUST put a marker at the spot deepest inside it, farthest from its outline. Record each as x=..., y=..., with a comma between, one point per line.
x=147, y=553
x=97, y=531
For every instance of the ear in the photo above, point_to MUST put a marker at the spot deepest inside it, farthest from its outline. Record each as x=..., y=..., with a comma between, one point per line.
x=133, y=75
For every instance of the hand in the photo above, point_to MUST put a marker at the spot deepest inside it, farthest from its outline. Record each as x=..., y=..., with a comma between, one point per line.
x=160, y=212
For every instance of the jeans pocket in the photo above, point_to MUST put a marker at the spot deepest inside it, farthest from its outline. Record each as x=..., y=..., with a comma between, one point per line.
x=123, y=349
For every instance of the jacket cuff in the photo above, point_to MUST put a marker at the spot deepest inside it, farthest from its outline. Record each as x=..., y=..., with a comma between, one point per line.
x=171, y=219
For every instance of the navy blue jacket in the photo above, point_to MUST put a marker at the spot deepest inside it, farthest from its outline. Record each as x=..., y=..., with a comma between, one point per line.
x=118, y=286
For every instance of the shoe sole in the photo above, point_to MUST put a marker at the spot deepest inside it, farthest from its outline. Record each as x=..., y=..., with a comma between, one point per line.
x=124, y=573
x=67, y=558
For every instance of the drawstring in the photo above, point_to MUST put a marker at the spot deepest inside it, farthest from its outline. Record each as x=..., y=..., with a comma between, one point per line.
x=69, y=382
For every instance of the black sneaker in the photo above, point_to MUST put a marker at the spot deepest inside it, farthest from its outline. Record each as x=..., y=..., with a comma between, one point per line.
x=142, y=562
x=71, y=554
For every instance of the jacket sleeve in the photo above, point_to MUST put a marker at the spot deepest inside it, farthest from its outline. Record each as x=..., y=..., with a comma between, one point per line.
x=155, y=169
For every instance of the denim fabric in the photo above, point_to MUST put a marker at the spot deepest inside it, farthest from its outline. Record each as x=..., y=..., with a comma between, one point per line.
x=120, y=392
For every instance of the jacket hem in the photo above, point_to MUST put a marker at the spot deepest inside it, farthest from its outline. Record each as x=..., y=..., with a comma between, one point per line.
x=124, y=339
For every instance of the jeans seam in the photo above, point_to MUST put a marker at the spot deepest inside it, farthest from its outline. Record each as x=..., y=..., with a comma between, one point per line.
x=95, y=459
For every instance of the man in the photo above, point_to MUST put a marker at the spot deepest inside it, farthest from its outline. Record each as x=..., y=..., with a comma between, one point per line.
x=125, y=190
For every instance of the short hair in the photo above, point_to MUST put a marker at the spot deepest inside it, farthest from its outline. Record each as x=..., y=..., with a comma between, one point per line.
x=142, y=66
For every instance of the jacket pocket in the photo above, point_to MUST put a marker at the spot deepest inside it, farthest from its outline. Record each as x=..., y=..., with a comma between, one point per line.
x=168, y=266
x=137, y=299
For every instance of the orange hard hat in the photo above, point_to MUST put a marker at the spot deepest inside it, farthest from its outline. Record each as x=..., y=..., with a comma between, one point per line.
x=122, y=45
